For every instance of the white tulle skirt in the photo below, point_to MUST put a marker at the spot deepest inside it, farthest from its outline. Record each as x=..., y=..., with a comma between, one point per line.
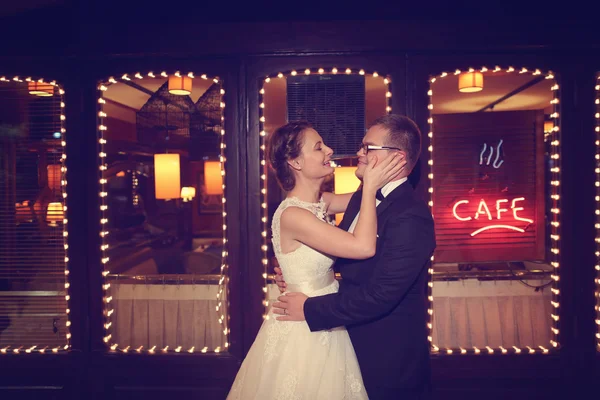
x=288, y=361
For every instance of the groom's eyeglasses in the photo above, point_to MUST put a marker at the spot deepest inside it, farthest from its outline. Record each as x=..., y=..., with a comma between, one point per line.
x=367, y=147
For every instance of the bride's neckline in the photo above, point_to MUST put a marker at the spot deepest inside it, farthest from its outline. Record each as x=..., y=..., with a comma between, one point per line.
x=305, y=202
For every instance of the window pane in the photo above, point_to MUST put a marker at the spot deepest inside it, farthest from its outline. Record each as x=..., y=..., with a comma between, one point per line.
x=33, y=288
x=494, y=174
x=340, y=104
x=162, y=169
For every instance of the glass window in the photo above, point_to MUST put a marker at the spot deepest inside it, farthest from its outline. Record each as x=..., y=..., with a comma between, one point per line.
x=494, y=176
x=164, y=245
x=34, y=288
x=340, y=103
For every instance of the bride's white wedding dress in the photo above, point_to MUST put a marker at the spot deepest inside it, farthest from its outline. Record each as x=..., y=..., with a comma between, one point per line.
x=287, y=360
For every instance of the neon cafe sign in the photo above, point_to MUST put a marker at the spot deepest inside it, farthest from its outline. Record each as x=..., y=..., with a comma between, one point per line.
x=499, y=213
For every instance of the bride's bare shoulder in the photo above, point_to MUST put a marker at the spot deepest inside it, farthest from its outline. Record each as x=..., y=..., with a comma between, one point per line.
x=295, y=215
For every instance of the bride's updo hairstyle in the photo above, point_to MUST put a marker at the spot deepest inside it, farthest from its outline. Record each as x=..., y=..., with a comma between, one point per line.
x=285, y=144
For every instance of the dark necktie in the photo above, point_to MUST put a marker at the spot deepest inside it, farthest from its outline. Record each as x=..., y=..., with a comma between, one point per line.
x=379, y=196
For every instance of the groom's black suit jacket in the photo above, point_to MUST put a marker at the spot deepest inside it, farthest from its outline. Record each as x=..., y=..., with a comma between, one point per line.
x=383, y=300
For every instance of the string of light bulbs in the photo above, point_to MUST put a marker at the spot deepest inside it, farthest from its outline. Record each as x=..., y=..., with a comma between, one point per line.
x=597, y=170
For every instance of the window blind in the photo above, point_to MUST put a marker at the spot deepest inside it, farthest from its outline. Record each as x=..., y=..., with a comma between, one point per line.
x=33, y=247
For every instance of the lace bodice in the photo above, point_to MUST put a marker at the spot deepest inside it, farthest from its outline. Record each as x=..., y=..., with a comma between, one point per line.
x=305, y=267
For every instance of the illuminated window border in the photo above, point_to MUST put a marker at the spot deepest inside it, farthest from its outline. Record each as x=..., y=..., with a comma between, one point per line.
x=597, y=170
x=108, y=311
x=263, y=190
x=555, y=223
x=63, y=184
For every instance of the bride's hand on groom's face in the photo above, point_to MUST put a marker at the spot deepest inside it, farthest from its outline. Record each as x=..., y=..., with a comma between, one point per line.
x=279, y=280
x=290, y=306
x=381, y=171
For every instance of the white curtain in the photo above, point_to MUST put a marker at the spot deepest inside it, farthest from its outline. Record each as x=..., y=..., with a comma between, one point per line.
x=467, y=313
x=167, y=315
x=471, y=313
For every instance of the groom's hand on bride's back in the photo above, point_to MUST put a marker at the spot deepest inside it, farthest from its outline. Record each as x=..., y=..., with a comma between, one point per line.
x=279, y=280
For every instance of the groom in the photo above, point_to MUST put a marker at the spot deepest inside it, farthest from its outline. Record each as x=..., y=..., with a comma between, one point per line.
x=382, y=300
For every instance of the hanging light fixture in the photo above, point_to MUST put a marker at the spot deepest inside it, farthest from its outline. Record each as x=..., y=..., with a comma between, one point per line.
x=55, y=213
x=180, y=85
x=470, y=82
x=54, y=176
x=40, y=89
x=213, y=180
x=167, y=180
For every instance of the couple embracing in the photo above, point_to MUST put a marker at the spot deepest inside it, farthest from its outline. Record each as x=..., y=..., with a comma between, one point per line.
x=364, y=337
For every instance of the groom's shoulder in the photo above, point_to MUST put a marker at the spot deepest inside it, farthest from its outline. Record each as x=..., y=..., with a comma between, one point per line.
x=413, y=206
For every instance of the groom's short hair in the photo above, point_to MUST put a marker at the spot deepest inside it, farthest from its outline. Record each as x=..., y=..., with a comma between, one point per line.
x=402, y=132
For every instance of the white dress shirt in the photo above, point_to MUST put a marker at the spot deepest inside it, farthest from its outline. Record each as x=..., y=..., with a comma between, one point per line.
x=385, y=190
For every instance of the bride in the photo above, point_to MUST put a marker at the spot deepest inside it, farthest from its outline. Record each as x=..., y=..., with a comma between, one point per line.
x=287, y=360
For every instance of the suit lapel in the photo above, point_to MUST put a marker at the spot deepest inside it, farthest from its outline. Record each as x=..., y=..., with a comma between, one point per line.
x=351, y=210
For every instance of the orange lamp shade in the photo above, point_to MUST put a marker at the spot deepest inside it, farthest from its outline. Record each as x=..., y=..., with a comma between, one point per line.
x=470, y=82
x=55, y=212
x=213, y=180
x=40, y=89
x=345, y=181
x=54, y=176
x=167, y=179
x=180, y=85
